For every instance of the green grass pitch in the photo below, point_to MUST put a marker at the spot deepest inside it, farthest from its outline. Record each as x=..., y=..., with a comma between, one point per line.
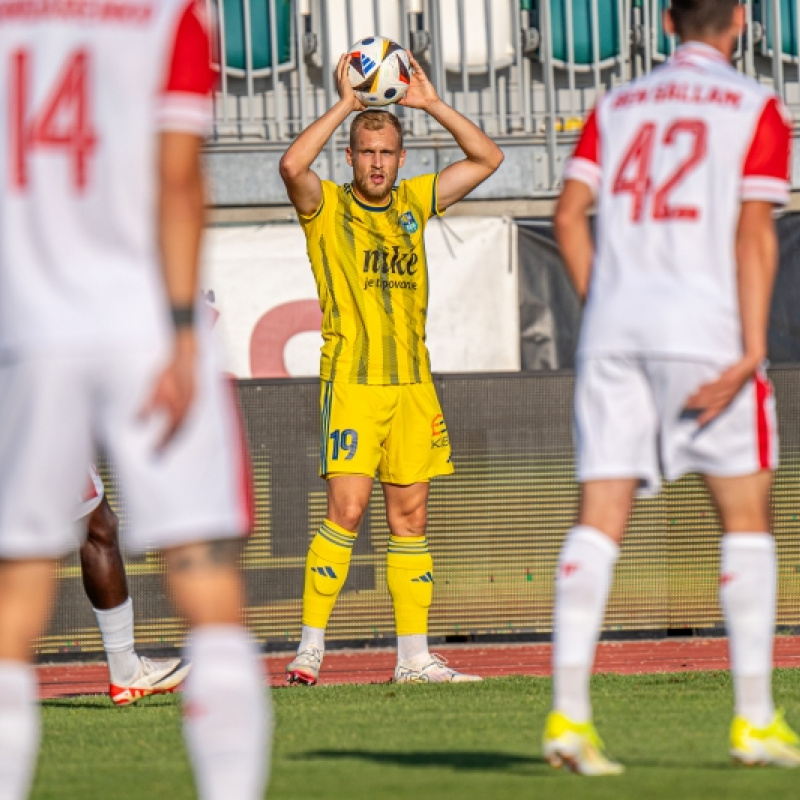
x=452, y=742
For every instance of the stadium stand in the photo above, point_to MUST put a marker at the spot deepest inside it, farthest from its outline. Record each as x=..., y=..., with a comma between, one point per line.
x=781, y=18
x=586, y=32
x=254, y=52
x=527, y=71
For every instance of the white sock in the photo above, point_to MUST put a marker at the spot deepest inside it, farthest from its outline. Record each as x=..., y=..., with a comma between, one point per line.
x=116, y=628
x=413, y=649
x=312, y=637
x=747, y=594
x=585, y=568
x=19, y=728
x=227, y=717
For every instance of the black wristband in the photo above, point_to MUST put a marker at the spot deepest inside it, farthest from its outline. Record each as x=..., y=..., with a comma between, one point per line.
x=182, y=316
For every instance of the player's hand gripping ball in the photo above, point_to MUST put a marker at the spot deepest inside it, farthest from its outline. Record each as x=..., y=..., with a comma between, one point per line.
x=379, y=71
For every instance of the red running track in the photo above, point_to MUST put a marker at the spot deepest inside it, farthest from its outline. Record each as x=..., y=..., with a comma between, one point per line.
x=376, y=666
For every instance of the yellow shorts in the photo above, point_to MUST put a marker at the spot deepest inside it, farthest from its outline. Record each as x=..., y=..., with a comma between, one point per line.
x=398, y=431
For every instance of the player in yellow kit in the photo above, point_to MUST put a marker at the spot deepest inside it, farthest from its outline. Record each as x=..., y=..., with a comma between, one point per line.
x=379, y=410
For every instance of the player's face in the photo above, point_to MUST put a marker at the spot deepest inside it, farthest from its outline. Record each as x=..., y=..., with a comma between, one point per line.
x=375, y=160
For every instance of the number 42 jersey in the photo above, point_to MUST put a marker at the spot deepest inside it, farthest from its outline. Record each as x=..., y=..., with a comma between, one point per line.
x=86, y=87
x=671, y=158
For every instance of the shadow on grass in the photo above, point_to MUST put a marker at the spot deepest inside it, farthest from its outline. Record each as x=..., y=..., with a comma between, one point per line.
x=683, y=765
x=74, y=702
x=467, y=760
x=103, y=703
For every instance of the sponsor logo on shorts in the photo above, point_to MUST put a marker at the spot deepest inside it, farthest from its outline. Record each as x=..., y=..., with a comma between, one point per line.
x=439, y=437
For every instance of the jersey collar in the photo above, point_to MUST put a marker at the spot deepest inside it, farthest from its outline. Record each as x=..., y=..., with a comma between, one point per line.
x=367, y=206
x=693, y=51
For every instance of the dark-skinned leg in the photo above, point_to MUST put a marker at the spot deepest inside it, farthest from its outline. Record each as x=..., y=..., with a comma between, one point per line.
x=103, y=572
x=106, y=586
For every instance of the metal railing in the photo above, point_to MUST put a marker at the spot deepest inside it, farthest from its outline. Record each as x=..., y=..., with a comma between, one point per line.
x=526, y=71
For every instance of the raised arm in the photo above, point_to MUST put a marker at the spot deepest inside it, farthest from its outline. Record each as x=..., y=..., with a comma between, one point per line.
x=303, y=184
x=483, y=156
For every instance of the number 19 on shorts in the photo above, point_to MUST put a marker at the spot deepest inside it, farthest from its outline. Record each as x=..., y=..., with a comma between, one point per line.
x=343, y=443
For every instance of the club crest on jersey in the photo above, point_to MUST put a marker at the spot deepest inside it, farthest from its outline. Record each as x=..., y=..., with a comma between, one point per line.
x=408, y=223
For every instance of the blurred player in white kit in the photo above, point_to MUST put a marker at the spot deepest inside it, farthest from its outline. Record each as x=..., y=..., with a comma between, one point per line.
x=105, y=105
x=685, y=167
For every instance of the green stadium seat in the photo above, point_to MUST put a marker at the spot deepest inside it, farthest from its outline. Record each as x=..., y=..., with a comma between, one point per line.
x=609, y=30
x=663, y=45
x=260, y=34
x=789, y=15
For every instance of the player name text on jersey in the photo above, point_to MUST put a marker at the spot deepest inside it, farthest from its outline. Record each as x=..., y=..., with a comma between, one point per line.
x=682, y=93
x=103, y=11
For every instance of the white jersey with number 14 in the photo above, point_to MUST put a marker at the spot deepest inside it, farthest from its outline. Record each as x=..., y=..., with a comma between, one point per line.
x=85, y=88
x=671, y=158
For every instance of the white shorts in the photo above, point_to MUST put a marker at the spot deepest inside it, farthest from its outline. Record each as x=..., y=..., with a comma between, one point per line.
x=57, y=408
x=92, y=494
x=631, y=422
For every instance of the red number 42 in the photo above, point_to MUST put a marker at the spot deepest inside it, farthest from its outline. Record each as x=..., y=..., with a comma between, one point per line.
x=633, y=176
x=63, y=122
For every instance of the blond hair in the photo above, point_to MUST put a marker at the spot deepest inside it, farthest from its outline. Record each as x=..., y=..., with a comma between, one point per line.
x=374, y=119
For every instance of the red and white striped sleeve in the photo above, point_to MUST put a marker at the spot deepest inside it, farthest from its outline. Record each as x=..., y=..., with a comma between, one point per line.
x=185, y=103
x=584, y=165
x=766, y=171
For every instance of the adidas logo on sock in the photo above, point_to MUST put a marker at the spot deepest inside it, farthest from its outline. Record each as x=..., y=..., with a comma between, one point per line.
x=326, y=572
x=426, y=578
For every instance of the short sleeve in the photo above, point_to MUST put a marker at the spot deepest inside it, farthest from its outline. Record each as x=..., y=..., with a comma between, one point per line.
x=765, y=174
x=330, y=191
x=584, y=165
x=425, y=189
x=185, y=103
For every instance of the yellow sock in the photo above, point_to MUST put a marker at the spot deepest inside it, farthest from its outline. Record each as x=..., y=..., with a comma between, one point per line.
x=409, y=573
x=327, y=564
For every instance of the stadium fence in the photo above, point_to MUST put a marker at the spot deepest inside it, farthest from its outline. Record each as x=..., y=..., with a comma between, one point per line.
x=526, y=71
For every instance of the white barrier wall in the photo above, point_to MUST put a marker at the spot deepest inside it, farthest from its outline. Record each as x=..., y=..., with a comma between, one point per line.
x=259, y=282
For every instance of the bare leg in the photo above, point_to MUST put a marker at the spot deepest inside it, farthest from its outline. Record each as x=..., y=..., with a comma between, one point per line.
x=348, y=498
x=743, y=502
x=205, y=583
x=606, y=506
x=26, y=590
x=26, y=598
x=407, y=508
x=227, y=718
x=101, y=561
x=104, y=580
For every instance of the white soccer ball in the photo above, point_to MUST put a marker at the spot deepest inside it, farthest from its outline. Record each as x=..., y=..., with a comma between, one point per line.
x=379, y=71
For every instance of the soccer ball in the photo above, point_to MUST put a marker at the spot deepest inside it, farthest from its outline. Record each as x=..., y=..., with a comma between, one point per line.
x=379, y=71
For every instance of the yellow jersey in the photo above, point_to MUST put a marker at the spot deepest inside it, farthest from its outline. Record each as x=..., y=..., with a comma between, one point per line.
x=372, y=278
